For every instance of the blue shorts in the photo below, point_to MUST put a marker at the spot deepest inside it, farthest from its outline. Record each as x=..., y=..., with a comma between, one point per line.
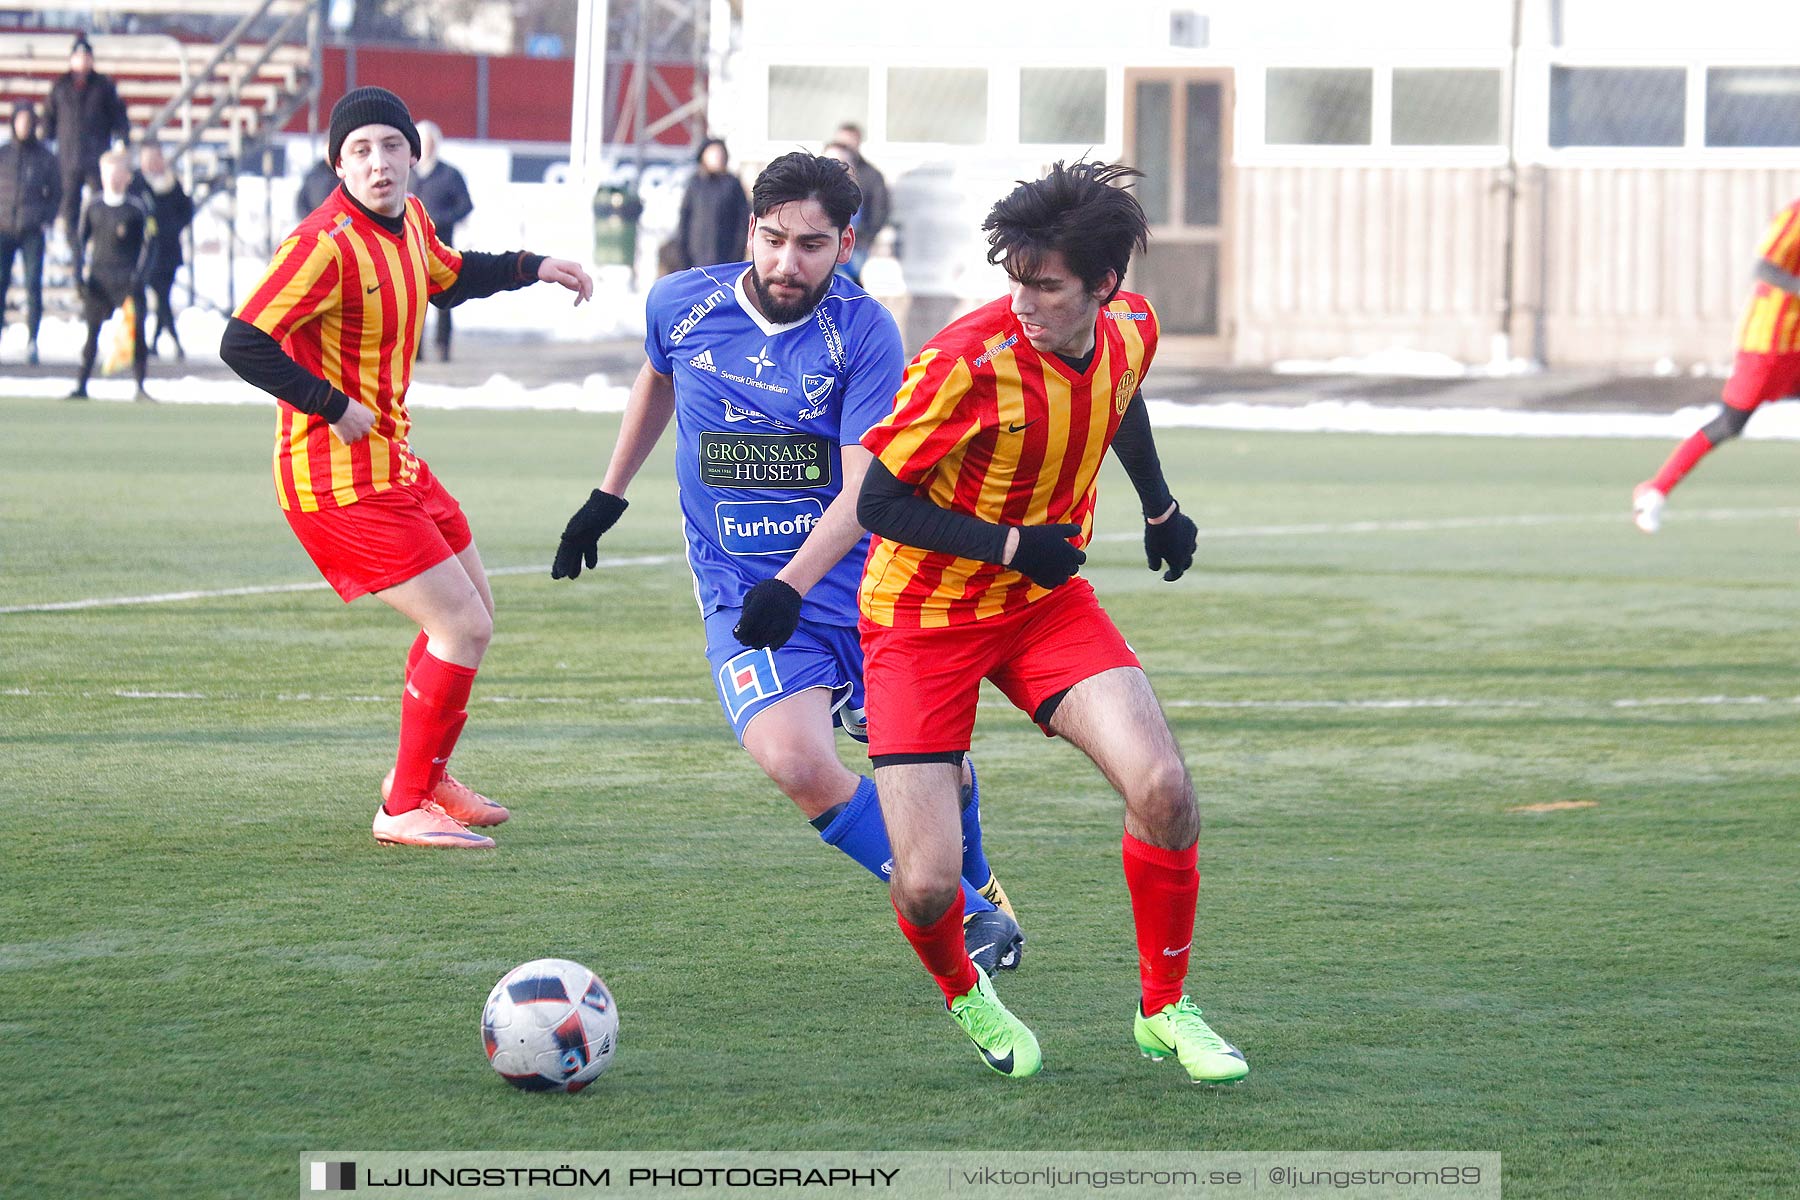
x=818, y=655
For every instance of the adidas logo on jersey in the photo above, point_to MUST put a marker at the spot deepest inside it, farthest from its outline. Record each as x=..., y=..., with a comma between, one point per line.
x=702, y=361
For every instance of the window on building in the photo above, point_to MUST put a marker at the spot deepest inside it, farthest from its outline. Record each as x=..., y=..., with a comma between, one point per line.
x=1315, y=106
x=937, y=104
x=1618, y=106
x=1203, y=153
x=1062, y=105
x=1446, y=107
x=1753, y=106
x=807, y=103
x=1153, y=126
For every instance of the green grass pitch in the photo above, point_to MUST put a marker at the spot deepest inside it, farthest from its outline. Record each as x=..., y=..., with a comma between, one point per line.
x=207, y=966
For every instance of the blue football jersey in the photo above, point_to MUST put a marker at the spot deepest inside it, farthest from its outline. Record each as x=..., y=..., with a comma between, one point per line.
x=760, y=413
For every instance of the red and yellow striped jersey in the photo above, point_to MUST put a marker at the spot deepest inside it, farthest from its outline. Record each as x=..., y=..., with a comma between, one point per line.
x=346, y=299
x=986, y=425
x=1771, y=322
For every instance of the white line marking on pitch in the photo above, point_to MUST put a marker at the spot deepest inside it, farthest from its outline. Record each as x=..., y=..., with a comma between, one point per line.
x=1416, y=525
x=1440, y=702
x=275, y=589
x=1401, y=704
x=1440, y=524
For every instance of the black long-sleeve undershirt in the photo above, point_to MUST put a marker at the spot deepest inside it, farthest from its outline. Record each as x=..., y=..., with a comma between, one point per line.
x=485, y=274
x=260, y=362
x=1135, y=447
x=896, y=511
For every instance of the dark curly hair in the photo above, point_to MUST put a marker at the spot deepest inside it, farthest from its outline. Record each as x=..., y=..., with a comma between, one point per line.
x=1081, y=211
x=799, y=175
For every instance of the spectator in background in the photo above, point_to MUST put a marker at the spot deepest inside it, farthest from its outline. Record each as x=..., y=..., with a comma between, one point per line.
x=441, y=188
x=873, y=217
x=851, y=268
x=321, y=180
x=30, y=190
x=158, y=192
x=85, y=116
x=114, y=238
x=715, y=212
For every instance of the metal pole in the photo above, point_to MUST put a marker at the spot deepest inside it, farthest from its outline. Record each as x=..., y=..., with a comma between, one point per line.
x=1509, y=181
x=640, y=86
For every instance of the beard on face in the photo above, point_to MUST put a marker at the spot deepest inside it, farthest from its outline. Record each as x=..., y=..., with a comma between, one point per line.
x=779, y=313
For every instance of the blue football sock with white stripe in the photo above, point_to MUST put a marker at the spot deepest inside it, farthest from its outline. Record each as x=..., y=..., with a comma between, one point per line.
x=856, y=828
x=974, y=863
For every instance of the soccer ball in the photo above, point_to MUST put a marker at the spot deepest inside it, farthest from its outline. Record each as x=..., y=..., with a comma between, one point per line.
x=550, y=1025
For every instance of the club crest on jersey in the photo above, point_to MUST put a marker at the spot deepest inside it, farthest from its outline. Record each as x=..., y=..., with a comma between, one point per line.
x=816, y=387
x=1122, y=393
x=747, y=678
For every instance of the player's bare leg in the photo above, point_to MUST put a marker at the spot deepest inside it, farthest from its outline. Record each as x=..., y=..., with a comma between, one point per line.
x=918, y=801
x=1114, y=719
x=794, y=744
x=452, y=609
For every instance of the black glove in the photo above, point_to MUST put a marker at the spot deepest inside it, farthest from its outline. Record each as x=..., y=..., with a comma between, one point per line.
x=581, y=536
x=1045, y=556
x=771, y=613
x=1173, y=541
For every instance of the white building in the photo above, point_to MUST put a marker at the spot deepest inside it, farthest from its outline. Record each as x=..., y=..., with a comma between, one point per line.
x=1324, y=178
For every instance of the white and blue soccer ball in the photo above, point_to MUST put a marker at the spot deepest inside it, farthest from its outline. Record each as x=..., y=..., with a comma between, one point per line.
x=550, y=1025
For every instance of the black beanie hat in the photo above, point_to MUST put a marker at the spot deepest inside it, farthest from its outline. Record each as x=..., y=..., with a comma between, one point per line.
x=368, y=106
x=81, y=43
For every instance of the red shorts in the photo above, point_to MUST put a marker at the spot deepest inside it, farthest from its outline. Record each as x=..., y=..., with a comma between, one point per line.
x=383, y=539
x=1756, y=378
x=922, y=685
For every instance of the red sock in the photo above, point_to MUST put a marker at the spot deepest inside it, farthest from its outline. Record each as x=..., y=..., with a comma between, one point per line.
x=939, y=946
x=1682, y=461
x=431, y=716
x=415, y=654
x=440, y=763
x=1164, y=886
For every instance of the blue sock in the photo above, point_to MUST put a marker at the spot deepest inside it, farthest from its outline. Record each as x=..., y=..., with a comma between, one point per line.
x=974, y=863
x=856, y=828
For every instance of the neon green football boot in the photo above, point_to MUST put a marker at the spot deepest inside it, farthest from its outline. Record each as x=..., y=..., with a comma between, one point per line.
x=1006, y=1045
x=1179, y=1030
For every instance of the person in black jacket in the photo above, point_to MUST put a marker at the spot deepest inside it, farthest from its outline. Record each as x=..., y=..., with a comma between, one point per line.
x=159, y=192
x=84, y=115
x=873, y=216
x=114, y=239
x=320, y=181
x=715, y=212
x=30, y=189
x=441, y=188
